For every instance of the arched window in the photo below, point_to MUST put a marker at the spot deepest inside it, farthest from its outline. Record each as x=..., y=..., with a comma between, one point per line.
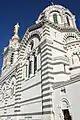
x=12, y=57
x=12, y=89
x=65, y=110
x=67, y=18
x=32, y=44
x=34, y=41
x=35, y=63
x=12, y=86
x=30, y=66
x=26, y=71
x=55, y=18
x=66, y=114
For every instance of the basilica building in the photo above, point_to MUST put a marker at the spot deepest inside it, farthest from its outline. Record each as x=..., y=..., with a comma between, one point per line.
x=40, y=77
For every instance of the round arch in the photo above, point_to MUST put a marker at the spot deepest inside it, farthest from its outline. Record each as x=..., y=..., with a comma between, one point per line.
x=25, y=42
x=65, y=109
x=12, y=80
x=57, y=14
x=66, y=36
x=65, y=103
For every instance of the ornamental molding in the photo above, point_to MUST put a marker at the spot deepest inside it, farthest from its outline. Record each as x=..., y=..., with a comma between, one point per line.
x=74, y=35
x=73, y=79
x=27, y=41
x=61, y=28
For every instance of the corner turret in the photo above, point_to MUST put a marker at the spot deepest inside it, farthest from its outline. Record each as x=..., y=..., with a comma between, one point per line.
x=10, y=53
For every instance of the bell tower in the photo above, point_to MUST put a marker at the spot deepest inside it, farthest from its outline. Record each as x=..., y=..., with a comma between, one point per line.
x=10, y=53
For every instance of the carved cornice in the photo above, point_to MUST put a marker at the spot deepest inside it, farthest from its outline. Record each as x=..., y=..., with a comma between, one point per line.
x=35, y=26
x=73, y=79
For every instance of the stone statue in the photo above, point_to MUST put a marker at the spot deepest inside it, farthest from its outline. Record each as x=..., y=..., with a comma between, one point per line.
x=16, y=29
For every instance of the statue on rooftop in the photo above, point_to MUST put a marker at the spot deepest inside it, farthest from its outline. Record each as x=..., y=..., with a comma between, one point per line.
x=16, y=29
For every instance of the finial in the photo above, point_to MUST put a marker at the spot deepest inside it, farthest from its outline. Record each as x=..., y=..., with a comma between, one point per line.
x=16, y=29
x=51, y=2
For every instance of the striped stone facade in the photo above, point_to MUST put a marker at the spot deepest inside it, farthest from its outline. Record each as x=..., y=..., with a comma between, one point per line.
x=47, y=79
x=40, y=83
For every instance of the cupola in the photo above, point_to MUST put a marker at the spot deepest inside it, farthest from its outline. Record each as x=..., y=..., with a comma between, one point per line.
x=58, y=15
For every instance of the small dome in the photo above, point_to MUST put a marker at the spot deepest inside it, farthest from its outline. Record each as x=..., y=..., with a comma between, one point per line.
x=58, y=15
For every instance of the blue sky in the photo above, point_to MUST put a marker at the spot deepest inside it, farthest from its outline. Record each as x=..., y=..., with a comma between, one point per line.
x=26, y=13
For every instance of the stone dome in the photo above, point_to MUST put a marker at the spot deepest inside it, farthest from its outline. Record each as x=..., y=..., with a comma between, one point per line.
x=58, y=15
